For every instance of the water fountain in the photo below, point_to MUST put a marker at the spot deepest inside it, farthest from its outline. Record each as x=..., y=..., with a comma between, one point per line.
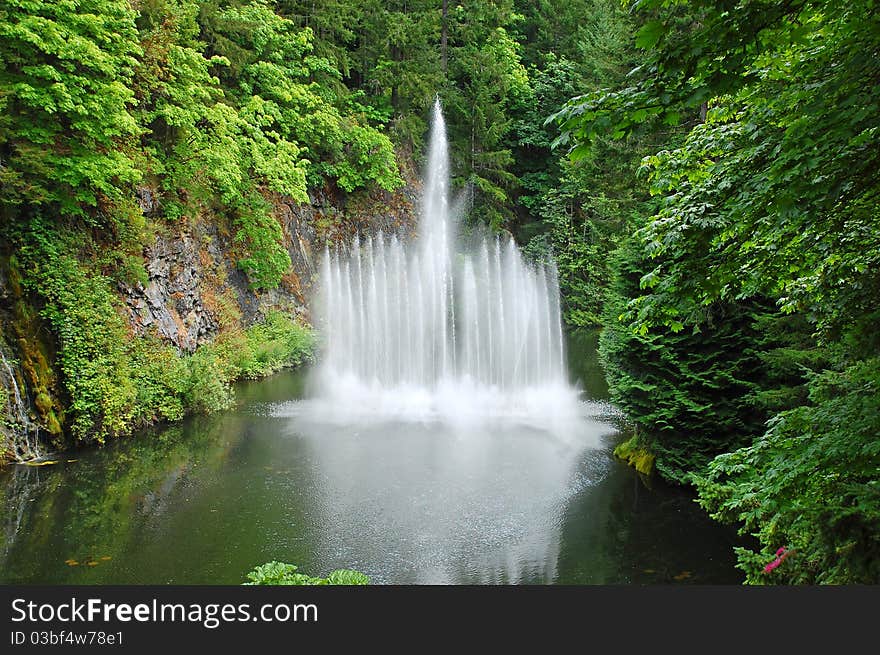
x=429, y=327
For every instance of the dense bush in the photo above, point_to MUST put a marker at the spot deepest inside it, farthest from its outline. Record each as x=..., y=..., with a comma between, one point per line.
x=215, y=104
x=92, y=336
x=66, y=127
x=706, y=388
x=810, y=485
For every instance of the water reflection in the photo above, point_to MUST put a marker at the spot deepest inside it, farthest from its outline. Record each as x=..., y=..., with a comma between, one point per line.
x=427, y=503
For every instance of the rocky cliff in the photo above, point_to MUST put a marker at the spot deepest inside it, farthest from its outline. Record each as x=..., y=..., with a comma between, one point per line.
x=193, y=292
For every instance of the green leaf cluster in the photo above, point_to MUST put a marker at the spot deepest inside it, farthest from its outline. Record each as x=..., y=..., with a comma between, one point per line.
x=239, y=108
x=488, y=76
x=279, y=573
x=578, y=211
x=809, y=484
x=218, y=105
x=66, y=123
x=696, y=391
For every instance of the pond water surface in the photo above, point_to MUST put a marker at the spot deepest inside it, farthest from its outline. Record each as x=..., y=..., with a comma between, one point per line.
x=205, y=500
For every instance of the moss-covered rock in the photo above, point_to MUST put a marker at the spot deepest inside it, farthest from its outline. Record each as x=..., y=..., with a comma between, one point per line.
x=36, y=349
x=636, y=455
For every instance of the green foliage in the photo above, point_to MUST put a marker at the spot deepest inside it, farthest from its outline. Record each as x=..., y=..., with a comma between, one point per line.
x=810, y=484
x=65, y=92
x=91, y=333
x=774, y=193
x=209, y=379
x=264, y=259
x=391, y=54
x=347, y=577
x=288, y=95
x=80, y=81
x=335, y=24
x=579, y=212
x=278, y=573
x=160, y=377
x=369, y=159
x=487, y=75
x=264, y=348
x=771, y=194
x=699, y=390
x=636, y=455
x=583, y=214
x=251, y=112
x=117, y=382
x=400, y=56
x=208, y=151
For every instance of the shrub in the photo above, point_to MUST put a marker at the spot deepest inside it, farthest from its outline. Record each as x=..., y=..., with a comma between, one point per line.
x=279, y=573
x=810, y=485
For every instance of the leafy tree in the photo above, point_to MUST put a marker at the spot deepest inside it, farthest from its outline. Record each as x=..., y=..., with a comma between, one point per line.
x=65, y=92
x=579, y=211
x=562, y=28
x=771, y=194
x=336, y=25
x=283, y=84
x=809, y=485
x=486, y=75
x=774, y=192
x=245, y=113
x=696, y=391
x=399, y=54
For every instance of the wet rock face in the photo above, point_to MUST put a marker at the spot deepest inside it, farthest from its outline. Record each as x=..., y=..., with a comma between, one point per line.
x=193, y=291
x=189, y=271
x=147, y=201
x=171, y=303
x=18, y=433
x=18, y=416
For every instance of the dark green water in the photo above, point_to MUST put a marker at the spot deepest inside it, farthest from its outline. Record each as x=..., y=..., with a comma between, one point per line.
x=206, y=500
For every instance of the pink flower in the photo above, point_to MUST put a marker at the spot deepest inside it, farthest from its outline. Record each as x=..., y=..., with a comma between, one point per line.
x=772, y=565
x=781, y=554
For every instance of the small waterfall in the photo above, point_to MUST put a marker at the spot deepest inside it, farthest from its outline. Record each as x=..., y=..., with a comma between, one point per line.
x=431, y=315
x=23, y=431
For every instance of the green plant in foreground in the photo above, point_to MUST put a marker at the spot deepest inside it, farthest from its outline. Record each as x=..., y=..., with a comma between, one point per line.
x=279, y=573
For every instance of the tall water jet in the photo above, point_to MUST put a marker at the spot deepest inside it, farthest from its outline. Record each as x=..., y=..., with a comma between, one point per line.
x=428, y=323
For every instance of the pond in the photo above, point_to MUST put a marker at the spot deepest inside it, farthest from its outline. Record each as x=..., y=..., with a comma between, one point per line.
x=205, y=500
